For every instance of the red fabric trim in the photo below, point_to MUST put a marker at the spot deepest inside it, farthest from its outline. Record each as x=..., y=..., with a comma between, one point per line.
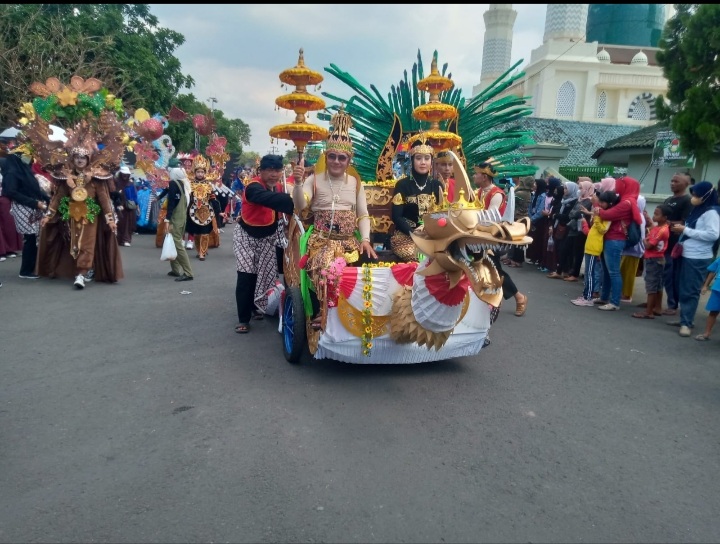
x=349, y=280
x=404, y=272
x=439, y=287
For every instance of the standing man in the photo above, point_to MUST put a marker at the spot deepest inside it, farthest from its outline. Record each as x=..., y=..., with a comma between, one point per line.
x=203, y=207
x=256, y=234
x=178, y=196
x=444, y=167
x=680, y=205
x=126, y=205
x=492, y=197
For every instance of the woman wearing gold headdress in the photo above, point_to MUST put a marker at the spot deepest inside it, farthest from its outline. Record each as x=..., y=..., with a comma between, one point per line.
x=203, y=208
x=338, y=203
x=81, y=205
x=414, y=195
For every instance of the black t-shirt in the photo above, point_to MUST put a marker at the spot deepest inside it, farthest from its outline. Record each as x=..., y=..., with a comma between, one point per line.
x=680, y=206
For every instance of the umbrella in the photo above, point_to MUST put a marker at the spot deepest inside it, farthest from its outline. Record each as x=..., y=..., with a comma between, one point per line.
x=11, y=132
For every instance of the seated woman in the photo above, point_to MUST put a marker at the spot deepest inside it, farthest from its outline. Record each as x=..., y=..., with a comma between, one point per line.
x=414, y=195
x=339, y=207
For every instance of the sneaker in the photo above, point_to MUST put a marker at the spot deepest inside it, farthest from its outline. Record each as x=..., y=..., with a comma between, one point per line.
x=608, y=307
x=190, y=245
x=79, y=281
x=28, y=276
x=90, y=275
x=126, y=244
x=684, y=331
x=625, y=300
x=12, y=255
x=3, y=259
x=582, y=302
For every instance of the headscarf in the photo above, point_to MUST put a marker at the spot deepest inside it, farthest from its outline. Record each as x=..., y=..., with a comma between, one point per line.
x=587, y=189
x=607, y=184
x=552, y=184
x=179, y=174
x=628, y=188
x=541, y=187
x=709, y=196
x=571, y=192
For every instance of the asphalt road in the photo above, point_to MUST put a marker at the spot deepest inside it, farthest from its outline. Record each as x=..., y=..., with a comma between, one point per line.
x=133, y=413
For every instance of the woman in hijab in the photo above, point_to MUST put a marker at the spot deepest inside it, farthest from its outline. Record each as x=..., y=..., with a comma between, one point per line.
x=552, y=206
x=563, y=242
x=632, y=257
x=697, y=236
x=620, y=216
x=586, y=190
x=523, y=197
x=539, y=228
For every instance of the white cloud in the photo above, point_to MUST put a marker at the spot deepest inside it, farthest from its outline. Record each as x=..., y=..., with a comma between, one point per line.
x=235, y=53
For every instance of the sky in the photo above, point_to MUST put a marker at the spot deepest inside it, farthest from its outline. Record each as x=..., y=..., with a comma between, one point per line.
x=235, y=53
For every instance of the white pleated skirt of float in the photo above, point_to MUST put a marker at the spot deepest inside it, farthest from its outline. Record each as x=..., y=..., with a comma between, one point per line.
x=466, y=340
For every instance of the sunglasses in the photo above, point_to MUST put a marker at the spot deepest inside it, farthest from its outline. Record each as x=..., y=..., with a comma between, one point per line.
x=339, y=158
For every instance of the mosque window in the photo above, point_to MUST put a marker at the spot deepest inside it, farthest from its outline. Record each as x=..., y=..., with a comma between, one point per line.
x=602, y=105
x=643, y=108
x=565, y=105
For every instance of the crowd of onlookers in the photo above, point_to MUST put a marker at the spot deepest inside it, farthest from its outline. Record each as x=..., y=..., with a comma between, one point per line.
x=605, y=235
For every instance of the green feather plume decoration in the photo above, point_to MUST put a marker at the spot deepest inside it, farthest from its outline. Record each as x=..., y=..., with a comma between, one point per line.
x=487, y=124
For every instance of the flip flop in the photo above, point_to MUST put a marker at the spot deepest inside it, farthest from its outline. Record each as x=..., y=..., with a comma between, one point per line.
x=642, y=316
x=702, y=338
x=257, y=316
x=242, y=328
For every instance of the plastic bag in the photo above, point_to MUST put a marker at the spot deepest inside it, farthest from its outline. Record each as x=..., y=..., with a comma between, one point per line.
x=169, y=253
x=551, y=244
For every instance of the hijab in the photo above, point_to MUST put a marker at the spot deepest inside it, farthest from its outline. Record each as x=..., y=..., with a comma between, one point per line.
x=541, y=188
x=628, y=188
x=705, y=191
x=571, y=192
x=607, y=184
x=587, y=189
x=179, y=174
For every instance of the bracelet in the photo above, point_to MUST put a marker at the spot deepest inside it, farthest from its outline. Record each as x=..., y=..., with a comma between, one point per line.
x=365, y=240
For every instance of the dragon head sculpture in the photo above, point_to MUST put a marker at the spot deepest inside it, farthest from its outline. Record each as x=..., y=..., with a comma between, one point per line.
x=459, y=236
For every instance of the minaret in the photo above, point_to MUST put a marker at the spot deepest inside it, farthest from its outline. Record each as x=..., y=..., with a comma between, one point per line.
x=565, y=22
x=497, y=45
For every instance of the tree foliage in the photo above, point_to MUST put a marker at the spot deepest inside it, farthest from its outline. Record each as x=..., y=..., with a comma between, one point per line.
x=689, y=54
x=122, y=45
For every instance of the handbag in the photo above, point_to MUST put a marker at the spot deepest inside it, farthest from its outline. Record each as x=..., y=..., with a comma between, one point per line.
x=169, y=253
x=677, y=250
x=131, y=205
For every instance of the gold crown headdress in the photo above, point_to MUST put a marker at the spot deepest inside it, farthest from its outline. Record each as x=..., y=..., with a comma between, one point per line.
x=420, y=144
x=201, y=162
x=339, y=139
x=443, y=157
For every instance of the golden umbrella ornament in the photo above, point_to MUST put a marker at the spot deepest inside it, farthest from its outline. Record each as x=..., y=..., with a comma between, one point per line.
x=301, y=102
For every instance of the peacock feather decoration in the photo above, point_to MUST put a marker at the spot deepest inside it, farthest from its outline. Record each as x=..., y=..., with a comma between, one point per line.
x=487, y=123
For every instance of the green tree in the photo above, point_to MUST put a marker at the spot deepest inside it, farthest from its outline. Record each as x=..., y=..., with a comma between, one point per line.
x=183, y=134
x=120, y=44
x=689, y=54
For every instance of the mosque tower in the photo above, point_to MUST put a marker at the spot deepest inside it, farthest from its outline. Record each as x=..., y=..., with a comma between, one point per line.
x=497, y=45
x=565, y=22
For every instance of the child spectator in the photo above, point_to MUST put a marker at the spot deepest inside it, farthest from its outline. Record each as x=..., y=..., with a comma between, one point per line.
x=593, y=248
x=713, y=303
x=654, y=262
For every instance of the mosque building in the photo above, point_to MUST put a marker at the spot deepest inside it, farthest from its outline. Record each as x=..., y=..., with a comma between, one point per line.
x=594, y=78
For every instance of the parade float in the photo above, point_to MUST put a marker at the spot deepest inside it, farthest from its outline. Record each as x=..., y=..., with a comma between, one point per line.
x=390, y=312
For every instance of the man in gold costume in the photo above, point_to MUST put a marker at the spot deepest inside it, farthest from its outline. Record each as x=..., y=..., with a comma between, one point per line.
x=203, y=207
x=337, y=201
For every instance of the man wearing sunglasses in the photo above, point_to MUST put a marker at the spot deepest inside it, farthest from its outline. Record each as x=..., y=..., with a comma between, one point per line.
x=339, y=208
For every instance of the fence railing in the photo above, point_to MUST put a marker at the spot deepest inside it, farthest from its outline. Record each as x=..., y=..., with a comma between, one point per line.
x=595, y=173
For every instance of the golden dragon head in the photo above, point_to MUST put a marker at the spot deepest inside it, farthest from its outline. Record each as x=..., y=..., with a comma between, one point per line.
x=459, y=236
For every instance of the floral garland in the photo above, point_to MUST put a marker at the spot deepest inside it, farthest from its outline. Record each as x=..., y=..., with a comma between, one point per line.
x=93, y=209
x=330, y=276
x=367, y=318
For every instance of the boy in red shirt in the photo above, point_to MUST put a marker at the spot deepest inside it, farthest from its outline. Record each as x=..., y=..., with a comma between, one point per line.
x=656, y=243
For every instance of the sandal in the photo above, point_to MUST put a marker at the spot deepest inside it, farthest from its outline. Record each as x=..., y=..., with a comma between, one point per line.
x=258, y=316
x=640, y=315
x=570, y=278
x=242, y=328
x=554, y=275
x=702, y=338
x=521, y=307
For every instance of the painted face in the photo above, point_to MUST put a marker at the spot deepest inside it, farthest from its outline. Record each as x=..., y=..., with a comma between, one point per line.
x=80, y=161
x=337, y=163
x=422, y=162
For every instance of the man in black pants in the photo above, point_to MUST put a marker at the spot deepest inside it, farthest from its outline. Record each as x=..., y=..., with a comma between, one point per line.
x=256, y=235
x=29, y=202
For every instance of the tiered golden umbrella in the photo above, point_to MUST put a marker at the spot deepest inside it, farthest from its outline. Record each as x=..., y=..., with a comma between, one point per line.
x=435, y=111
x=301, y=102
